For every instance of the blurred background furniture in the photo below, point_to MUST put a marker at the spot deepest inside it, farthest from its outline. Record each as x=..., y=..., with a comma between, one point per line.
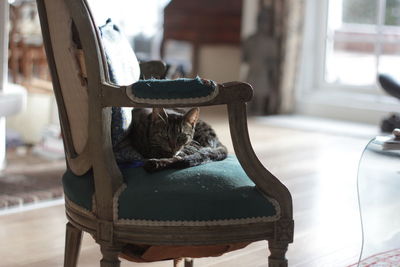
x=11, y=96
x=27, y=66
x=27, y=57
x=391, y=86
x=202, y=23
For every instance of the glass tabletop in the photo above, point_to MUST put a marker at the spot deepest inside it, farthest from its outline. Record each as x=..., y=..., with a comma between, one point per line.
x=379, y=198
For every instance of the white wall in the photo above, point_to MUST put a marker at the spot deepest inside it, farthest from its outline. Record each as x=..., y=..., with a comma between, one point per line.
x=220, y=63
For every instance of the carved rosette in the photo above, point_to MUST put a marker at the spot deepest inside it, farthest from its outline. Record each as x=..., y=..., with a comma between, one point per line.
x=284, y=230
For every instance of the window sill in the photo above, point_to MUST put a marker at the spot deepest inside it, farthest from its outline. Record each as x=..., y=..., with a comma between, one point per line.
x=366, y=108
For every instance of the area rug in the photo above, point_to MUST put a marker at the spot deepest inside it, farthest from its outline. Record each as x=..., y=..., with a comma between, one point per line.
x=389, y=258
x=29, y=179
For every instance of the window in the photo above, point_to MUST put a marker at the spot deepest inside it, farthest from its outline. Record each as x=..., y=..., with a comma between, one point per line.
x=346, y=44
x=362, y=39
x=135, y=17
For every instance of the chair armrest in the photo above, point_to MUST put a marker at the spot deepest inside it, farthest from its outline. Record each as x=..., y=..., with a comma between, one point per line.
x=265, y=181
x=152, y=69
x=121, y=96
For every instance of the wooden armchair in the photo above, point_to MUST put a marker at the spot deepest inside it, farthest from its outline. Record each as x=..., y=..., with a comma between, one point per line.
x=111, y=203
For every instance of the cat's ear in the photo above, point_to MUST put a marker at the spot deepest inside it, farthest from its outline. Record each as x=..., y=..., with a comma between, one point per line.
x=159, y=114
x=192, y=116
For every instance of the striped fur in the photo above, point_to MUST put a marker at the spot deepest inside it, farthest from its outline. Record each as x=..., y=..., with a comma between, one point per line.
x=173, y=138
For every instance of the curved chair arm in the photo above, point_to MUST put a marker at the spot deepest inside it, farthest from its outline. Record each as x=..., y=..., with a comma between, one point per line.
x=234, y=95
x=117, y=96
x=266, y=182
x=152, y=69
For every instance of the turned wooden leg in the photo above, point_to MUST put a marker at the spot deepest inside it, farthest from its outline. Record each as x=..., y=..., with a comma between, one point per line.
x=73, y=239
x=177, y=262
x=278, y=251
x=188, y=262
x=110, y=256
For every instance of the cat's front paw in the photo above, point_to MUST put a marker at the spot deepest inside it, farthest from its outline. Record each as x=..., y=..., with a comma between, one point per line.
x=153, y=165
x=150, y=165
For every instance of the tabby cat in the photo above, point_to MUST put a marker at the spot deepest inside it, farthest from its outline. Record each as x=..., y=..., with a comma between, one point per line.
x=173, y=138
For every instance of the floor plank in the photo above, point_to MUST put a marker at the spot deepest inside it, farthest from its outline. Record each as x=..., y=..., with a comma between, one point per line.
x=318, y=168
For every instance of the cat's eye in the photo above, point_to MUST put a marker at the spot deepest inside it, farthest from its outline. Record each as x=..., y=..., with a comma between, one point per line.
x=182, y=139
x=162, y=133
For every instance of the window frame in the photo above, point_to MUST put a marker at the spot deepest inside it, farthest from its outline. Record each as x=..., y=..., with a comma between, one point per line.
x=374, y=29
x=315, y=96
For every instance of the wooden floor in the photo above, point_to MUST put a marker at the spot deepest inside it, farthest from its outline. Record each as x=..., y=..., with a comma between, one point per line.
x=318, y=168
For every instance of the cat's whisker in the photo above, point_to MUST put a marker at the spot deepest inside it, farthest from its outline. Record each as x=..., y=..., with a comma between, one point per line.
x=159, y=115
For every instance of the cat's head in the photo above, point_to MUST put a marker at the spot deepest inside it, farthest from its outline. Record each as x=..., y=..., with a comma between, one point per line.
x=170, y=132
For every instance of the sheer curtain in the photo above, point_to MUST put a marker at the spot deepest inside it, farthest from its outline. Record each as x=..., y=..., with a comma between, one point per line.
x=293, y=39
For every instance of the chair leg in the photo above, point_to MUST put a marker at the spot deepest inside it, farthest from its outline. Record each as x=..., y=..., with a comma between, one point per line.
x=110, y=256
x=277, y=257
x=73, y=239
x=177, y=262
x=188, y=262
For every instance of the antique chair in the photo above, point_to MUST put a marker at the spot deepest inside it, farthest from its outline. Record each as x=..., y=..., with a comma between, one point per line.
x=195, y=212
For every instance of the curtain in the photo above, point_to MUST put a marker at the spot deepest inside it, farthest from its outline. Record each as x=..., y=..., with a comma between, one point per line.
x=293, y=36
x=271, y=54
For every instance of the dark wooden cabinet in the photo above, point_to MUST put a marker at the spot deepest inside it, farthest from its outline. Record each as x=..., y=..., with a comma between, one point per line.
x=200, y=22
x=205, y=21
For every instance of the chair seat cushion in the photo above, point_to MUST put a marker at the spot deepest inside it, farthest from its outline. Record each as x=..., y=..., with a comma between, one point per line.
x=216, y=193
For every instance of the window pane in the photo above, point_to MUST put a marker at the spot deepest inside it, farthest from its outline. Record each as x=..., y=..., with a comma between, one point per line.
x=360, y=11
x=389, y=61
x=351, y=63
x=357, y=48
x=392, y=15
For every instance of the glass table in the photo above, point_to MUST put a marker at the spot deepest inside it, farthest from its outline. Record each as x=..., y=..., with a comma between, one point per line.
x=379, y=199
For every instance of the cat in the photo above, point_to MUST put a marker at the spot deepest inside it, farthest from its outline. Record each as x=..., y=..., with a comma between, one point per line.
x=173, y=138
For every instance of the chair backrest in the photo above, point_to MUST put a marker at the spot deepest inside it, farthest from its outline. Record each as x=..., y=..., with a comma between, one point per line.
x=75, y=73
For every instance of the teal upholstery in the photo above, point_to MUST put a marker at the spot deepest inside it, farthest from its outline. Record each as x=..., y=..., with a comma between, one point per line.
x=79, y=189
x=173, y=89
x=213, y=191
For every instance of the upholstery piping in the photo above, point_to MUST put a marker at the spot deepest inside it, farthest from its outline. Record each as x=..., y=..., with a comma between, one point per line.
x=192, y=100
